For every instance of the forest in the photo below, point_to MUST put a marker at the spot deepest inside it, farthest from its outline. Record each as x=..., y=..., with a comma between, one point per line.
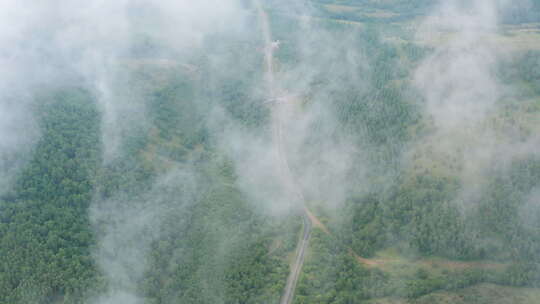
x=154, y=152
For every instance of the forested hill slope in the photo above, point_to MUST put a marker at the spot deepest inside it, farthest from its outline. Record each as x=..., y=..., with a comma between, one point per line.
x=46, y=237
x=139, y=165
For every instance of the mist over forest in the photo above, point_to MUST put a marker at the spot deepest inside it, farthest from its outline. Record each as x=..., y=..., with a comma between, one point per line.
x=269, y=151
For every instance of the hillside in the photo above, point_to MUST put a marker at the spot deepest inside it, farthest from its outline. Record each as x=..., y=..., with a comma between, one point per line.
x=177, y=152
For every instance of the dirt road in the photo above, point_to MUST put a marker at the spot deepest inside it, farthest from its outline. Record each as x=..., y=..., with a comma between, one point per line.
x=290, y=288
x=292, y=188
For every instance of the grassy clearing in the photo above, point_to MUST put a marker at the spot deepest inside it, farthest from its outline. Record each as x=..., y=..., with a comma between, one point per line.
x=380, y=14
x=392, y=262
x=479, y=294
x=360, y=11
x=519, y=40
x=337, y=8
x=511, y=40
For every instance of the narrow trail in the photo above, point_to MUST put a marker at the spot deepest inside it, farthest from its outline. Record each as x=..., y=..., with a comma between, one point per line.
x=279, y=110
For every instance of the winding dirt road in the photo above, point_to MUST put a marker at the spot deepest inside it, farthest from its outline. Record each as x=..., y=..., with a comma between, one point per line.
x=292, y=188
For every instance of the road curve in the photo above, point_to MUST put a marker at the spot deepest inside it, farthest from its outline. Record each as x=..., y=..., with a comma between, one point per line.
x=283, y=165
